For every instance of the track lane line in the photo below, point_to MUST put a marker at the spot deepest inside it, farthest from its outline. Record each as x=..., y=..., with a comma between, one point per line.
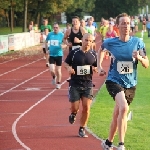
x=20, y=67
x=24, y=82
x=16, y=121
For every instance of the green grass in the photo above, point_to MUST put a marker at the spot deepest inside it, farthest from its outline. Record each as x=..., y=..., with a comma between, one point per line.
x=6, y=30
x=138, y=132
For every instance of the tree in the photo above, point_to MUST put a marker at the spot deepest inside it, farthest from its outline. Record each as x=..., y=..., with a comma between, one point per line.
x=109, y=8
x=79, y=8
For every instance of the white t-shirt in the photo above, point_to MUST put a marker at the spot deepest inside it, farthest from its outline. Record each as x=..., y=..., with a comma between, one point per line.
x=132, y=23
x=44, y=39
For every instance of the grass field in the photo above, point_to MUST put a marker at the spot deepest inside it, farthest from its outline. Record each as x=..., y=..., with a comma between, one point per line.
x=6, y=30
x=138, y=133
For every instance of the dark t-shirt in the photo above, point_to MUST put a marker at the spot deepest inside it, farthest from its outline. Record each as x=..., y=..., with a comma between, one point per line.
x=82, y=64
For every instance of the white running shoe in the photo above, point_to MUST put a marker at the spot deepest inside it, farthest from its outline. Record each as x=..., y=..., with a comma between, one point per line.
x=58, y=86
x=106, y=147
x=54, y=80
x=121, y=147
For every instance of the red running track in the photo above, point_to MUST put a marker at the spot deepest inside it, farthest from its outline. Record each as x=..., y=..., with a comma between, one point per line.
x=33, y=114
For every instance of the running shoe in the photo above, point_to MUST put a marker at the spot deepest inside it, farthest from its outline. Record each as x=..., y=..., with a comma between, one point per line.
x=54, y=80
x=82, y=133
x=105, y=147
x=121, y=147
x=58, y=86
x=72, y=118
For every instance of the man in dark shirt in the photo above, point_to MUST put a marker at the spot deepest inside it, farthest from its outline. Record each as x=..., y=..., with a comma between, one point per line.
x=73, y=36
x=81, y=63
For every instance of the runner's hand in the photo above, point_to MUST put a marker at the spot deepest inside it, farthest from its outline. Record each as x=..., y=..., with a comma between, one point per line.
x=76, y=40
x=69, y=44
x=95, y=69
x=70, y=70
x=136, y=55
x=101, y=72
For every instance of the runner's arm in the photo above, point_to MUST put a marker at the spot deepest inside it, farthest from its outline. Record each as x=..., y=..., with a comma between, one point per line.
x=66, y=34
x=100, y=57
x=69, y=68
x=139, y=55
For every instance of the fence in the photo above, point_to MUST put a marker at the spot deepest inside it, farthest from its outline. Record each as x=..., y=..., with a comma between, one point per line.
x=18, y=41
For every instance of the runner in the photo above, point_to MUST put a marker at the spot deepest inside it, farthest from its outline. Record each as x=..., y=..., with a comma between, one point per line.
x=93, y=23
x=122, y=76
x=148, y=27
x=81, y=63
x=46, y=25
x=144, y=24
x=42, y=40
x=55, y=52
x=93, y=29
x=73, y=36
x=66, y=28
x=30, y=28
x=103, y=29
x=111, y=32
x=83, y=24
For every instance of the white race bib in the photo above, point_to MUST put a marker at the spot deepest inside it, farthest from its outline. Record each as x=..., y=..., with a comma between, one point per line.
x=125, y=67
x=83, y=70
x=54, y=42
x=74, y=47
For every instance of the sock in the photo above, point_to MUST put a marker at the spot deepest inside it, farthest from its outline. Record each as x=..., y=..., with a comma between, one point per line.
x=53, y=77
x=73, y=114
x=108, y=143
x=81, y=128
x=121, y=143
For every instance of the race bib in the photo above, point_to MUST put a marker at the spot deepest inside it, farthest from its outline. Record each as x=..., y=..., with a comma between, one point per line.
x=125, y=67
x=74, y=47
x=55, y=42
x=83, y=70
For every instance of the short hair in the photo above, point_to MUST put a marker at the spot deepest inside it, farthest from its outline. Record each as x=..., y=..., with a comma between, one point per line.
x=55, y=23
x=121, y=15
x=76, y=17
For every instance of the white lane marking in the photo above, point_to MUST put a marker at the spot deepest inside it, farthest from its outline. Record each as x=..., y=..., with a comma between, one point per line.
x=23, y=82
x=10, y=114
x=14, y=100
x=11, y=60
x=20, y=67
x=16, y=121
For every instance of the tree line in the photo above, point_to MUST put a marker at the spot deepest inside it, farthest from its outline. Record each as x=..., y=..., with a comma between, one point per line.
x=12, y=12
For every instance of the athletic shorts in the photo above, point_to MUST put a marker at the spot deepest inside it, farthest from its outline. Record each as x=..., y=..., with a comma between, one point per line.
x=55, y=60
x=44, y=50
x=114, y=88
x=76, y=93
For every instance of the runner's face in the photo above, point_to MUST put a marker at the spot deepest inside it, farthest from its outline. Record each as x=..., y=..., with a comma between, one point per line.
x=46, y=31
x=124, y=25
x=75, y=22
x=56, y=28
x=82, y=23
x=45, y=22
x=87, y=41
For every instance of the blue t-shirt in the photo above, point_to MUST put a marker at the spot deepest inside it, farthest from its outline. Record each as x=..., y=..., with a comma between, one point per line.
x=94, y=24
x=123, y=68
x=55, y=41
